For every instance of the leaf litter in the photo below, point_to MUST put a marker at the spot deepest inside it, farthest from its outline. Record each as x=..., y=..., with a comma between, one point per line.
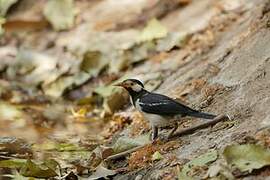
x=247, y=157
x=76, y=59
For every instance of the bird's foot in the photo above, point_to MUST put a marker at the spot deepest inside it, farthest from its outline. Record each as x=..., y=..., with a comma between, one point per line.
x=154, y=134
x=171, y=133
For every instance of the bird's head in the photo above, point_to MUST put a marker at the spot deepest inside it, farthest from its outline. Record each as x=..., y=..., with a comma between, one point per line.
x=132, y=85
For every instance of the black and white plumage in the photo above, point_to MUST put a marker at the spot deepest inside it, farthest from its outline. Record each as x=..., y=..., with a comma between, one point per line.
x=158, y=109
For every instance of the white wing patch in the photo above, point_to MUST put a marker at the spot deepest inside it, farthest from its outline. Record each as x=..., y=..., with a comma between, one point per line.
x=153, y=104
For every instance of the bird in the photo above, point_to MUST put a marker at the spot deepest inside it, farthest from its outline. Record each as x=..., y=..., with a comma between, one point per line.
x=160, y=110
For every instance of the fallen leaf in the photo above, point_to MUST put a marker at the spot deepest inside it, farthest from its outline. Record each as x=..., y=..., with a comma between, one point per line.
x=219, y=169
x=60, y=13
x=51, y=146
x=12, y=163
x=247, y=157
x=9, y=112
x=140, y=52
x=32, y=169
x=72, y=156
x=117, y=53
x=33, y=67
x=101, y=172
x=153, y=30
x=201, y=160
x=125, y=143
x=68, y=147
x=5, y=5
x=51, y=163
x=93, y=63
x=173, y=39
x=157, y=156
x=57, y=88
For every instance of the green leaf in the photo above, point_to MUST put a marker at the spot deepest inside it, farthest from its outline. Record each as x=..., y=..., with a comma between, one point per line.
x=68, y=147
x=60, y=13
x=50, y=146
x=247, y=157
x=51, y=163
x=153, y=30
x=201, y=160
x=32, y=169
x=12, y=163
x=157, y=156
x=5, y=5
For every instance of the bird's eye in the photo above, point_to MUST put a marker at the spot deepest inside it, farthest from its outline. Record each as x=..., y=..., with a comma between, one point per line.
x=131, y=84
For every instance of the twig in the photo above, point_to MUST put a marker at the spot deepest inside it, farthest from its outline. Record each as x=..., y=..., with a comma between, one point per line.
x=122, y=154
x=177, y=134
x=200, y=126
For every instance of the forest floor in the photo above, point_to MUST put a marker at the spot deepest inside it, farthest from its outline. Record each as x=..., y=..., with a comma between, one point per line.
x=58, y=106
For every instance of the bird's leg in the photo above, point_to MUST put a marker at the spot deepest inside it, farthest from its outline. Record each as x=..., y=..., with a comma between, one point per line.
x=154, y=133
x=175, y=126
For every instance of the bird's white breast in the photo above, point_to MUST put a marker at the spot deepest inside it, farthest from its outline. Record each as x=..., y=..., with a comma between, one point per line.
x=153, y=119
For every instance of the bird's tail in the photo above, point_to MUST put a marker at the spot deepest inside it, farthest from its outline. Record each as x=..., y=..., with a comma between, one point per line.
x=202, y=115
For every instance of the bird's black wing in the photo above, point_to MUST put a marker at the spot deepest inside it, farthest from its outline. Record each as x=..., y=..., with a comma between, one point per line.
x=162, y=105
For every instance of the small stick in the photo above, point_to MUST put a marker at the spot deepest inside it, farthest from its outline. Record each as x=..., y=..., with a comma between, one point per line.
x=124, y=153
x=177, y=134
x=200, y=126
